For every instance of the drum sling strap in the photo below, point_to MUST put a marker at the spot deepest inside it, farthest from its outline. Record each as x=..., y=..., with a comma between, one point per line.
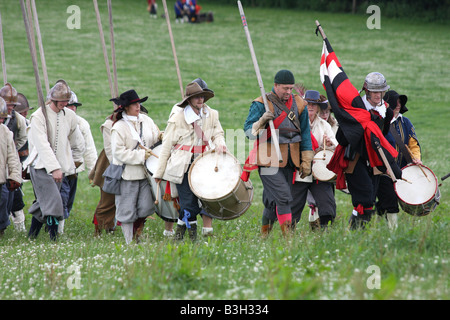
x=400, y=144
x=195, y=149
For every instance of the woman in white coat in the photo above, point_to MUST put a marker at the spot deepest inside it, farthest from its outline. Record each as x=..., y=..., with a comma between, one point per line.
x=132, y=135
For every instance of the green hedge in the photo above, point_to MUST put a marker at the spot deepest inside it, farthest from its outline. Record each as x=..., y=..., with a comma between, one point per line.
x=425, y=10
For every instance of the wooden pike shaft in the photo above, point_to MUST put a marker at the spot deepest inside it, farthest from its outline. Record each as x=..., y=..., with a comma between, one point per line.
x=260, y=82
x=41, y=47
x=2, y=52
x=105, y=55
x=166, y=14
x=41, y=101
x=113, y=50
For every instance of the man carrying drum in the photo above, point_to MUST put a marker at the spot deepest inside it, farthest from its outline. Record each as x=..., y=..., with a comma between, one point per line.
x=188, y=133
x=290, y=117
x=362, y=179
x=402, y=136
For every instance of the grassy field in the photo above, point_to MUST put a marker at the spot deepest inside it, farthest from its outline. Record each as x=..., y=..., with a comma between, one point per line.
x=235, y=263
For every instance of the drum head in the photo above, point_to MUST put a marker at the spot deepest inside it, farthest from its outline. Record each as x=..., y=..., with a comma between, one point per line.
x=319, y=166
x=209, y=184
x=152, y=162
x=420, y=190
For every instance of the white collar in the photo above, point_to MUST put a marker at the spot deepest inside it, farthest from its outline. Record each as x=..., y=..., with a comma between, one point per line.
x=399, y=117
x=380, y=109
x=130, y=118
x=190, y=115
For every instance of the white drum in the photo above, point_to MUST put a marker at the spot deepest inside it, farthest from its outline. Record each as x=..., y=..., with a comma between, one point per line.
x=216, y=180
x=319, y=166
x=164, y=209
x=419, y=195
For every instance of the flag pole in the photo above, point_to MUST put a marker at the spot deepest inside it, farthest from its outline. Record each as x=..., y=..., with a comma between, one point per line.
x=260, y=82
x=166, y=14
x=319, y=29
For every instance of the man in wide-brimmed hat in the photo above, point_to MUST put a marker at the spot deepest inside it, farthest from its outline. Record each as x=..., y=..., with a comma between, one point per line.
x=57, y=148
x=181, y=143
x=207, y=229
x=402, y=136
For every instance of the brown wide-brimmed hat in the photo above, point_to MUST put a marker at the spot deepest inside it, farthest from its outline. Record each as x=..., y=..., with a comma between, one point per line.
x=193, y=89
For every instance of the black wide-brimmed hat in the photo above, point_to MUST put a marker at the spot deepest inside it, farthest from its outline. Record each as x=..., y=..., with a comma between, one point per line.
x=127, y=98
x=391, y=97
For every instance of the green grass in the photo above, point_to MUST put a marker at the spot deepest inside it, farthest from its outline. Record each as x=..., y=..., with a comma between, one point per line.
x=235, y=263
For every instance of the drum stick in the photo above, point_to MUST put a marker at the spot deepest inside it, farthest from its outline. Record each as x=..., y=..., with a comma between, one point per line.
x=420, y=166
x=445, y=177
x=386, y=163
x=324, y=146
x=217, y=162
x=151, y=152
x=158, y=192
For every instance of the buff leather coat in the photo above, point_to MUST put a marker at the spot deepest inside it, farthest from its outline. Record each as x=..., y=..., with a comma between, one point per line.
x=174, y=162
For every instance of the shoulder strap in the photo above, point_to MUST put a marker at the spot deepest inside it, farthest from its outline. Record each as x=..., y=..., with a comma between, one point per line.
x=290, y=114
x=400, y=143
x=199, y=132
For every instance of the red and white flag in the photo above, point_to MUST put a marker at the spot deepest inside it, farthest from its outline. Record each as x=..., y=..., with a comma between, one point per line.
x=349, y=109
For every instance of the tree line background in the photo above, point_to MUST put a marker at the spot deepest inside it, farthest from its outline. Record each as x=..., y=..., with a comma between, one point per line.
x=425, y=10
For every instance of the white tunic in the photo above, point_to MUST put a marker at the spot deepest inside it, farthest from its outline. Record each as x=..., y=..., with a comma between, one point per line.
x=66, y=144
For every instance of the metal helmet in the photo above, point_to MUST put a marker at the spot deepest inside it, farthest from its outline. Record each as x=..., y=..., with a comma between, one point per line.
x=9, y=94
x=375, y=82
x=60, y=91
x=3, y=109
x=24, y=105
x=74, y=100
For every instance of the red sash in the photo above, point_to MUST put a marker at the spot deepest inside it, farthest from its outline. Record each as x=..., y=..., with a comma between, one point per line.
x=250, y=163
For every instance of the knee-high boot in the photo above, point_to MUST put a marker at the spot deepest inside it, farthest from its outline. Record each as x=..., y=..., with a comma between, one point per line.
x=35, y=228
x=52, y=224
